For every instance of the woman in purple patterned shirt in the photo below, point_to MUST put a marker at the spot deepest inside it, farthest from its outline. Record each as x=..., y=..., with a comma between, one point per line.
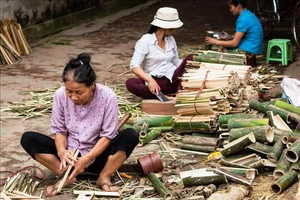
x=84, y=117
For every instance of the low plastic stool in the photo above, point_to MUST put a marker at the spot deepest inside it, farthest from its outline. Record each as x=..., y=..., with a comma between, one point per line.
x=279, y=50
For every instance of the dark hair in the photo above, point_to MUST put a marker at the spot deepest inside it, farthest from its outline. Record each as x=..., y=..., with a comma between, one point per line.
x=237, y=2
x=152, y=29
x=80, y=69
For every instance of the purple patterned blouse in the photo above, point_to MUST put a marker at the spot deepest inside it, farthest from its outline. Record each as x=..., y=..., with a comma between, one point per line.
x=85, y=124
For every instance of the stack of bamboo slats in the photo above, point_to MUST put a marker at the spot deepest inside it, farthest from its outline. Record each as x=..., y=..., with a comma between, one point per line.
x=208, y=102
x=194, y=78
x=243, y=71
x=13, y=43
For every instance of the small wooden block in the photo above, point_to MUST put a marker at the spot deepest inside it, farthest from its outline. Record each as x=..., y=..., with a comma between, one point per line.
x=156, y=107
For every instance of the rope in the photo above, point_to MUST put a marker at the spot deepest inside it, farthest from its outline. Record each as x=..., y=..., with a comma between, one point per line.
x=221, y=57
x=23, y=169
x=200, y=91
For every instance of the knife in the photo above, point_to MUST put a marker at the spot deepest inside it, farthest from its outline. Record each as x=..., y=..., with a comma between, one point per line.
x=162, y=97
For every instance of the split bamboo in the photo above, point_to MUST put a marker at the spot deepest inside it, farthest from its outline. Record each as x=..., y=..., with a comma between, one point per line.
x=260, y=148
x=234, y=177
x=238, y=144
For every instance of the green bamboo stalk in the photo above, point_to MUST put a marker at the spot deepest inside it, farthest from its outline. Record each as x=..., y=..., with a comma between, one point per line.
x=206, y=141
x=144, y=130
x=162, y=128
x=195, y=147
x=155, y=121
x=287, y=107
x=205, y=180
x=136, y=128
x=191, y=127
x=284, y=182
x=293, y=152
x=263, y=107
x=159, y=186
x=223, y=119
x=276, y=151
x=150, y=136
x=261, y=133
x=282, y=166
x=241, y=123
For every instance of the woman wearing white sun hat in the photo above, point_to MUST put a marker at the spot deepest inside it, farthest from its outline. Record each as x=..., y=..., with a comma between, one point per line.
x=155, y=61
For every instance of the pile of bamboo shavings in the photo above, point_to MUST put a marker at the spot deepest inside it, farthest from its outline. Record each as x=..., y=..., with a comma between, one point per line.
x=40, y=104
x=21, y=186
x=13, y=43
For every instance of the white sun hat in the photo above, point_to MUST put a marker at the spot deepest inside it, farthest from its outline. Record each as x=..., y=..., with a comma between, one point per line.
x=167, y=18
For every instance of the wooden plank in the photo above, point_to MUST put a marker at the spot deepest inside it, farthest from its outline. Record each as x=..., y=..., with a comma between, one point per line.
x=156, y=107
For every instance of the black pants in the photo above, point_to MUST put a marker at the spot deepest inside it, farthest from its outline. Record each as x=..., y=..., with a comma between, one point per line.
x=37, y=143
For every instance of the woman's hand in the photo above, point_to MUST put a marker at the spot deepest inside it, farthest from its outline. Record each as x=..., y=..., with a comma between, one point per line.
x=209, y=40
x=153, y=86
x=66, y=156
x=79, y=166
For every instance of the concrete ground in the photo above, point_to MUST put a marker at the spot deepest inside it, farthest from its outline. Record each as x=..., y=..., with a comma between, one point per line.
x=110, y=42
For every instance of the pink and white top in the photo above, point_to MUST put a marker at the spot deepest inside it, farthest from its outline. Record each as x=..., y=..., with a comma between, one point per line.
x=84, y=125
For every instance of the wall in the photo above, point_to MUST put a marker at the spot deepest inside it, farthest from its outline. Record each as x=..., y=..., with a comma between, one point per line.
x=40, y=18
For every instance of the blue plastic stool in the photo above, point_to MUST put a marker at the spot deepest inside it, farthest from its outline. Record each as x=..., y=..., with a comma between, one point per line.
x=279, y=50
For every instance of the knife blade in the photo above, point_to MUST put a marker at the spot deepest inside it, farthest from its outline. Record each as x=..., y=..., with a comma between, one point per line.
x=162, y=97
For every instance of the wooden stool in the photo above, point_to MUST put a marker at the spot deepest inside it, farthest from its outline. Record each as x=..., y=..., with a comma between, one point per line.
x=279, y=50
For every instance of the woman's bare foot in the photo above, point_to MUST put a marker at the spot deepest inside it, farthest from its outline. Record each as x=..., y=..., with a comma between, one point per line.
x=106, y=185
x=51, y=190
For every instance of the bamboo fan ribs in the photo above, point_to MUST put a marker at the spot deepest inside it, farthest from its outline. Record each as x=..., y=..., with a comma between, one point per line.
x=13, y=43
x=209, y=102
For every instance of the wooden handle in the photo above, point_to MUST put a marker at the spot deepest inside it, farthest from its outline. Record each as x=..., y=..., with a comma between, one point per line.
x=124, y=120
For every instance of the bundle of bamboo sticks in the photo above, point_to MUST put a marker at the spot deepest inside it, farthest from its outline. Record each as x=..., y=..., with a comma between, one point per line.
x=194, y=78
x=208, y=102
x=243, y=71
x=220, y=57
x=13, y=43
